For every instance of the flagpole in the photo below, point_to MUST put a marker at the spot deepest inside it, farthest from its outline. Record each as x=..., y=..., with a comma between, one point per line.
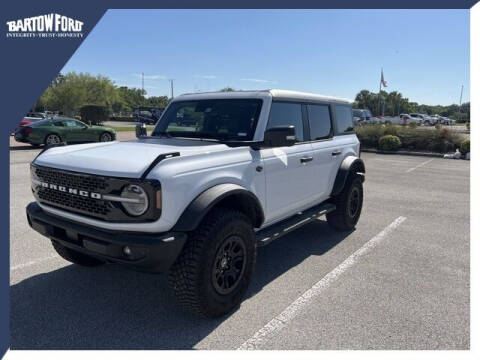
x=379, y=91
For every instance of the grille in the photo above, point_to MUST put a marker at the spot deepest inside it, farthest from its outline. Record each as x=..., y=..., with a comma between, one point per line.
x=85, y=204
x=89, y=183
x=82, y=182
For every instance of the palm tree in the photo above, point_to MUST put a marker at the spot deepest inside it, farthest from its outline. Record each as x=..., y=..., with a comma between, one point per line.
x=394, y=98
x=364, y=98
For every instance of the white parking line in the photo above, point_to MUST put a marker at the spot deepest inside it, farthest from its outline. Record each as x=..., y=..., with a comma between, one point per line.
x=282, y=320
x=32, y=263
x=419, y=165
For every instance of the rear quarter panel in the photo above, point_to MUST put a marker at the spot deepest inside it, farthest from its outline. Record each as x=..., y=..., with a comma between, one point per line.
x=350, y=146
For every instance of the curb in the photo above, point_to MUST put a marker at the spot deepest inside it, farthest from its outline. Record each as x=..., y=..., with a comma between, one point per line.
x=411, y=153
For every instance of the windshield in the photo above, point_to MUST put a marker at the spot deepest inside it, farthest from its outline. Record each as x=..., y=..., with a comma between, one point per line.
x=218, y=119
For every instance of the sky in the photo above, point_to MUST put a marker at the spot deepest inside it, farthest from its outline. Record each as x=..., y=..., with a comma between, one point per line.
x=424, y=53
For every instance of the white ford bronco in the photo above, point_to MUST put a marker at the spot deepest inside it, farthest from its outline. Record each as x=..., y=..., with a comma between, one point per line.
x=220, y=175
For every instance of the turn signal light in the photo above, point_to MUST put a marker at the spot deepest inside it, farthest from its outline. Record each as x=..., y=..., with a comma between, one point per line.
x=159, y=199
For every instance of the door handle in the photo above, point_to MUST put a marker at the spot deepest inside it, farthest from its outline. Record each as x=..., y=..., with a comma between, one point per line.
x=336, y=152
x=306, y=159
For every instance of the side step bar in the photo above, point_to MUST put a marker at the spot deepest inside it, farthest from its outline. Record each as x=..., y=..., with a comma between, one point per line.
x=275, y=231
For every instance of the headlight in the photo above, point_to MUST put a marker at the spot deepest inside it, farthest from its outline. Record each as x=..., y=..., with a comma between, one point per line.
x=139, y=203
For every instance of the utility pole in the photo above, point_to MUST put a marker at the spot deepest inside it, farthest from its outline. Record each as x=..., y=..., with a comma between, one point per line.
x=460, y=104
x=379, y=92
x=171, y=87
x=461, y=95
x=143, y=83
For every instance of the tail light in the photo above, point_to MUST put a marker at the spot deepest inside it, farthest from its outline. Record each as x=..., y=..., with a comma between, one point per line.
x=28, y=130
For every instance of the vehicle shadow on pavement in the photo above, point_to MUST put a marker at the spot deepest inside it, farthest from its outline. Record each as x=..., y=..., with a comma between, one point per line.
x=111, y=307
x=26, y=147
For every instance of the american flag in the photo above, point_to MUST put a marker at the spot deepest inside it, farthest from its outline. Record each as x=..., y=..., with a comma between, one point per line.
x=382, y=80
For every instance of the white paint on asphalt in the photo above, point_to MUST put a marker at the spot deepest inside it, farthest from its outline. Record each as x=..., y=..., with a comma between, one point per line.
x=419, y=165
x=32, y=263
x=280, y=321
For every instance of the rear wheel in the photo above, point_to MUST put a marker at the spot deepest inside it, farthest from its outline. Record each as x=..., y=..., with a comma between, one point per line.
x=75, y=257
x=52, y=139
x=348, y=205
x=213, y=271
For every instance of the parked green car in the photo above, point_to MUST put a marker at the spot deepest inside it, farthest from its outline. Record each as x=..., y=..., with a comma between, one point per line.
x=61, y=129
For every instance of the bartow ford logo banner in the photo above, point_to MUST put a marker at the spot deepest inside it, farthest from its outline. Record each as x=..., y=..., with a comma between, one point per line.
x=45, y=26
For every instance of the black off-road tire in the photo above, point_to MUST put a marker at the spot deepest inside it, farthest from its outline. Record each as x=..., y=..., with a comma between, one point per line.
x=342, y=218
x=192, y=276
x=75, y=257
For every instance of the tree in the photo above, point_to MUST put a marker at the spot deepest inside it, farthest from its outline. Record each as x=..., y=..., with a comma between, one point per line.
x=363, y=99
x=67, y=93
x=158, y=101
x=394, y=103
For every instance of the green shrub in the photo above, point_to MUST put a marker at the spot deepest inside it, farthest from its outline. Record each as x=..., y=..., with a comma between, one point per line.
x=390, y=130
x=94, y=114
x=389, y=142
x=412, y=125
x=465, y=146
x=369, y=135
x=438, y=126
x=413, y=139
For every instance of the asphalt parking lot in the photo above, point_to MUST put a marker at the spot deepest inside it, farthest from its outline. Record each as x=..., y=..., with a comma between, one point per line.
x=399, y=281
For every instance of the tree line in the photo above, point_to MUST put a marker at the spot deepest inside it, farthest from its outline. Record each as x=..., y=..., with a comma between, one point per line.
x=394, y=103
x=68, y=93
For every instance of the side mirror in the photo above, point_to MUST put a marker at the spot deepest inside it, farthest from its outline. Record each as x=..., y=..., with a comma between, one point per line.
x=140, y=130
x=280, y=136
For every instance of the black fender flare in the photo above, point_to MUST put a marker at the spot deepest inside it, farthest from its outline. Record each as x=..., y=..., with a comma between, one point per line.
x=203, y=203
x=349, y=164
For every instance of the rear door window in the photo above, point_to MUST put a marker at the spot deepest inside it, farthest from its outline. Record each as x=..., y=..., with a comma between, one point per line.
x=319, y=121
x=344, y=119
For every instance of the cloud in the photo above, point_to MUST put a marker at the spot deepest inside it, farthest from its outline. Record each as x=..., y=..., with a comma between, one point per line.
x=258, y=80
x=206, y=76
x=151, y=77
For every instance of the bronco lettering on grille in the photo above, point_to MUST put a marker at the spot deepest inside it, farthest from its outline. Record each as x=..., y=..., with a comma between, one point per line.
x=69, y=190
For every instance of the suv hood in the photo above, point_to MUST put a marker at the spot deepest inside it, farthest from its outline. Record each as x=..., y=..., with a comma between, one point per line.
x=121, y=159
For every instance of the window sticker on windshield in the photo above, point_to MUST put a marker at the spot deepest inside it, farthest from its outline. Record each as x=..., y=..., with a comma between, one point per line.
x=241, y=134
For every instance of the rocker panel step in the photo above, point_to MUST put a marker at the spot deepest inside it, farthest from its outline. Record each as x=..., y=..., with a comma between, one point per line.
x=275, y=231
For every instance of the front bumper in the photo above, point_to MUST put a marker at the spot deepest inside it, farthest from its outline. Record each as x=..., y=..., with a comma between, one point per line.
x=148, y=252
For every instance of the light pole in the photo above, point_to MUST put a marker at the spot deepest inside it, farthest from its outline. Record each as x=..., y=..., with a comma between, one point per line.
x=171, y=87
x=460, y=105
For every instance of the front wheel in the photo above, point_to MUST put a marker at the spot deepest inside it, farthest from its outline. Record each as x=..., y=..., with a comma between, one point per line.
x=105, y=137
x=213, y=271
x=348, y=205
